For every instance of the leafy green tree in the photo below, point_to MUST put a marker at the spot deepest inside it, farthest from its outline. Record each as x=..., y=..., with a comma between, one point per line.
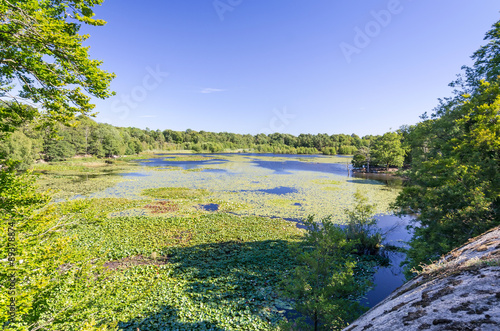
x=19, y=148
x=13, y=115
x=455, y=174
x=42, y=51
x=42, y=60
x=82, y=132
x=388, y=151
x=59, y=148
x=323, y=285
x=362, y=157
x=50, y=280
x=362, y=226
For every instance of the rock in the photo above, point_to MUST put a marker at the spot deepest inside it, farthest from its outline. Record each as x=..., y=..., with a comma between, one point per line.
x=459, y=292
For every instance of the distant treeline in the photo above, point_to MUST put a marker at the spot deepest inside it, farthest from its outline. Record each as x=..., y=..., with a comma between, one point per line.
x=87, y=137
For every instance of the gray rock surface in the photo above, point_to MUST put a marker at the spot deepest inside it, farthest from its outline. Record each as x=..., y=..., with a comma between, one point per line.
x=459, y=292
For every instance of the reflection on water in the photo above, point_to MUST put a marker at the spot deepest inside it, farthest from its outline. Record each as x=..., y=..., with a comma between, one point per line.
x=387, y=179
x=284, y=167
x=389, y=278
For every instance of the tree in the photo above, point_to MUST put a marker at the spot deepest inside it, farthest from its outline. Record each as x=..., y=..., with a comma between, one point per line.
x=362, y=226
x=60, y=148
x=44, y=265
x=82, y=131
x=19, y=148
x=362, y=157
x=455, y=173
x=42, y=61
x=387, y=150
x=323, y=285
x=42, y=53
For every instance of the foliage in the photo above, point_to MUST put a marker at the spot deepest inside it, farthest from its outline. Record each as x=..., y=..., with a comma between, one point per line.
x=18, y=148
x=44, y=266
x=359, y=160
x=40, y=49
x=456, y=163
x=388, y=151
x=324, y=286
x=363, y=157
x=59, y=149
x=362, y=226
x=85, y=137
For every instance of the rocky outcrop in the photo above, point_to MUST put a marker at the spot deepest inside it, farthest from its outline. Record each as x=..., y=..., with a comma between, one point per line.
x=459, y=292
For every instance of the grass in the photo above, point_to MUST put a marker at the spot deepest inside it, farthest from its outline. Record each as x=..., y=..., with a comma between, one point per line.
x=175, y=193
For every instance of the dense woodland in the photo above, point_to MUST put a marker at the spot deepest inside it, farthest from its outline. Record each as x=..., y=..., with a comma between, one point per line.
x=86, y=137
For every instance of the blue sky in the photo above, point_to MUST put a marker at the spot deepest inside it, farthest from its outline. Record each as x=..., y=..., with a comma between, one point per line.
x=289, y=66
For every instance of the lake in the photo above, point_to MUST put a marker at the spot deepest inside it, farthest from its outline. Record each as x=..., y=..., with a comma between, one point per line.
x=286, y=186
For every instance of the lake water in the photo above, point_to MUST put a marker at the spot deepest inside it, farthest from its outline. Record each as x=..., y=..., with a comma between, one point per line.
x=389, y=278
x=287, y=186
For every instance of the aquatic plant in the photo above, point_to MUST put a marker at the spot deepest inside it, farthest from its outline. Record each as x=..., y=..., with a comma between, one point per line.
x=175, y=193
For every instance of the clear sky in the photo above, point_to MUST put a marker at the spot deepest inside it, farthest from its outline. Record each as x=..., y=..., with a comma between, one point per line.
x=291, y=66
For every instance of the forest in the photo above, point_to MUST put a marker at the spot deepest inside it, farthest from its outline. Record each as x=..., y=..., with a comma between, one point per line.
x=158, y=257
x=84, y=136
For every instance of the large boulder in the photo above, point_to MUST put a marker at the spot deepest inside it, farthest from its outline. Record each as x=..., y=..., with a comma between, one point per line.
x=459, y=292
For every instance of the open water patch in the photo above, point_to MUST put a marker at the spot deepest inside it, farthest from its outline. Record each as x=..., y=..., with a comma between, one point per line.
x=185, y=165
x=210, y=207
x=134, y=174
x=284, y=167
x=389, y=278
x=279, y=190
x=215, y=170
